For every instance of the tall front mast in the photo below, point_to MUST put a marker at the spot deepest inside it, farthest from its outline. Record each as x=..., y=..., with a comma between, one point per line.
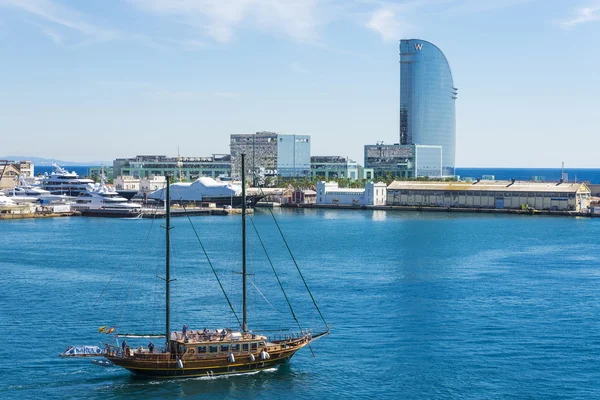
x=167, y=261
x=244, y=318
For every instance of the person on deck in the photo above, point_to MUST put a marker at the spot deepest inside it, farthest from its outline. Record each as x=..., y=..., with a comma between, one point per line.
x=124, y=346
x=151, y=347
x=184, y=330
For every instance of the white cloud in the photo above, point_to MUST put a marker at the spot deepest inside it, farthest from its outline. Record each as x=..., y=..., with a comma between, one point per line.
x=385, y=22
x=221, y=21
x=297, y=19
x=582, y=15
x=64, y=17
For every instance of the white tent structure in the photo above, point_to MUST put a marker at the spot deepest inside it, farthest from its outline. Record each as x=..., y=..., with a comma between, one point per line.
x=203, y=189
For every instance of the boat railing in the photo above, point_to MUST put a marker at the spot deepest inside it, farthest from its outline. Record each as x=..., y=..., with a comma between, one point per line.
x=289, y=336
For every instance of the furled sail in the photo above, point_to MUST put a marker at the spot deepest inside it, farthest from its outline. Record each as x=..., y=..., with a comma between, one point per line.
x=82, y=351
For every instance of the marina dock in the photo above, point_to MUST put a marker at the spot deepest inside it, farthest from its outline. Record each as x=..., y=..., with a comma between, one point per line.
x=193, y=211
x=36, y=215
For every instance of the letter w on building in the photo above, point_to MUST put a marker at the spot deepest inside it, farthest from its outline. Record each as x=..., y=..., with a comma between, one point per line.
x=418, y=46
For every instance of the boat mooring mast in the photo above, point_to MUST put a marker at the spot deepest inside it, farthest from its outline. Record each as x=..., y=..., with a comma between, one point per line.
x=244, y=317
x=167, y=261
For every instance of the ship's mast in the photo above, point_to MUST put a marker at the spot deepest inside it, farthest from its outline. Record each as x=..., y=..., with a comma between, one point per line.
x=244, y=318
x=167, y=261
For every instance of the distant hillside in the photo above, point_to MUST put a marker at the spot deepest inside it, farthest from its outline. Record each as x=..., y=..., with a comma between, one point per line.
x=50, y=161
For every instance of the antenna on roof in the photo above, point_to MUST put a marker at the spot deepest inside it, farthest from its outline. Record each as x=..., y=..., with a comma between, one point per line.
x=563, y=176
x=179, y=165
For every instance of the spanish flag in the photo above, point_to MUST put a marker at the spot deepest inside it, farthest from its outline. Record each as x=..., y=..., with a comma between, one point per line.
x=109, y=331
x=102, y=329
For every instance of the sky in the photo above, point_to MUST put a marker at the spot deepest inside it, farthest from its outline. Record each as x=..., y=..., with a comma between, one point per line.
x=103, y=79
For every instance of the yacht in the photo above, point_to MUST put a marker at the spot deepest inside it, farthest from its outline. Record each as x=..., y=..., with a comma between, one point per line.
x=61, y=181
x=5, y=201
x=8, y=205
x=26, y=193
x=18, y=196
x=103, y=201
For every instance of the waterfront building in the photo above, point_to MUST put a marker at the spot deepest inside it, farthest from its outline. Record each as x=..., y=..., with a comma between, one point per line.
x=127, y=182
x=11, y=171
x=151, y=184
x=491, y=194
x=97, y=171
x=144, y=186
x=403, y=161
x=595, y=189
x=427, y=100
x=188, y=168
x=272, y=195
x=371, y=194
x=270, y=154
x=304, y=196
x=334, y=167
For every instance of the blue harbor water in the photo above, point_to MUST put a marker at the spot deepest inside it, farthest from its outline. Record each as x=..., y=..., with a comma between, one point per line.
x=421, y=305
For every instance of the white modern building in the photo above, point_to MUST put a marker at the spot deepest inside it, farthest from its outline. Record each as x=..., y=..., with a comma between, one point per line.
x=144, y=186
x=373, y=194
x=151, y=184
x=127, y=182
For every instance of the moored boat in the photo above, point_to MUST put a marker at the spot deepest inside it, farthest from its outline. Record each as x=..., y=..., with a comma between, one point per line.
x=194, y=352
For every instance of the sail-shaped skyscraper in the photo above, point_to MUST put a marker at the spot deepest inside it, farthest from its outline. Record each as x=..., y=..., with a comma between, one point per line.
x=427, y=100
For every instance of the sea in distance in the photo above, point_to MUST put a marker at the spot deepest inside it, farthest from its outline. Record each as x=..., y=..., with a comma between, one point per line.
x=420, y=305
x=522, y=174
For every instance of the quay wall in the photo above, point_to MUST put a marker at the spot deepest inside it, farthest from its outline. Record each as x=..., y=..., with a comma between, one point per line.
x=446, y=209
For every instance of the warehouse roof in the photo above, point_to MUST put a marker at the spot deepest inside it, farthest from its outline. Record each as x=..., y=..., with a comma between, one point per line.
x=496, y=186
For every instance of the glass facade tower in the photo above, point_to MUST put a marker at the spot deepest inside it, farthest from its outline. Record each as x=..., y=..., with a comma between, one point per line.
x=427, y=99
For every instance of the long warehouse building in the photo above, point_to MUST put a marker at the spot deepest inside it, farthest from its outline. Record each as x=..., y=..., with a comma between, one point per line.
x=491, y=194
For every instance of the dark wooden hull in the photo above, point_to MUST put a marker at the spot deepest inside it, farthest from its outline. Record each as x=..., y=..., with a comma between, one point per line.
x=195, y=368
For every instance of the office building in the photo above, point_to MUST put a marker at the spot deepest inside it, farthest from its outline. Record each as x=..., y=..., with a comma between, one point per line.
x=188, y=168
x=270, y=154
x=403, y=161
x=334, y=167
x=427, y=100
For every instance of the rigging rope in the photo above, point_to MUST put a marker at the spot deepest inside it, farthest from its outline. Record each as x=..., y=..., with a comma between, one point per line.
x=296, y=264
x=279, y=281
x=263, y=296
x=275, y=272
x=212, y=267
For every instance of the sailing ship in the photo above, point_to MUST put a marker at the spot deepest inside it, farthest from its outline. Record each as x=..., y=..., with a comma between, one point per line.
x=190, y=352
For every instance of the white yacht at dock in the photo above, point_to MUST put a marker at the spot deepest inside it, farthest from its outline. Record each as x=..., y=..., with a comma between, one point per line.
x=61, y=181
x=104, y=201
